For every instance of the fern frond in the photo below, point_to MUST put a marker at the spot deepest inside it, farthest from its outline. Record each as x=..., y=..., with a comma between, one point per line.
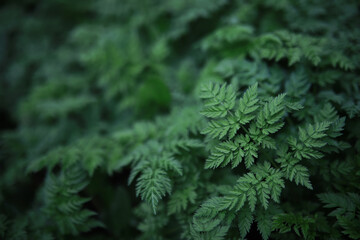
x=220, y=100
x=222, y=127
x=208, y=216
x=63, y=204
x=247, y=105
x=224, y=153
x=264, y=219
x=304, y=227
x=180, y=199
x=246, y=219
x=268, y=118
x=152, y=185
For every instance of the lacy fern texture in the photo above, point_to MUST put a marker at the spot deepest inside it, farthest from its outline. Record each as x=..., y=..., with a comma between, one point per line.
x=198, y=120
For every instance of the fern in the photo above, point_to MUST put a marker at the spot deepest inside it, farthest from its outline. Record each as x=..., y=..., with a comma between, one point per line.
x=247, y=105
x=221, y=100
x=64, y=206
x=179, y=119
x=245, y=145
x=347, y=211
x=304, y=227
x=247, y=218
x=263, y=183
x=180, y=200
x=153, y=185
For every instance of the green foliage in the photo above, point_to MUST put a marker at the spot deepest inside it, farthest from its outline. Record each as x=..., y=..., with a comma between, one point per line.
x=304, y=227
x=346, y=212
x=63, y=204
x=179, y=119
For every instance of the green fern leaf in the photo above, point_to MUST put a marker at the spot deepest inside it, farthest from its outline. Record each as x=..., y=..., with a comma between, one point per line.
x=223, y=154
x=247, y=105
x=152, y=185
x=220, y=100
x=246, y=219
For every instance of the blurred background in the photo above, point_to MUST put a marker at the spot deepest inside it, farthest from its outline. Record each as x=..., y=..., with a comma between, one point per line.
x=70, y=69
x=77, y=66
x=73, y=69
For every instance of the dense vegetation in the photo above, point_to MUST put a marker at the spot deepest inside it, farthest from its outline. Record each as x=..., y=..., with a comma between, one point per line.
x=179, y=119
